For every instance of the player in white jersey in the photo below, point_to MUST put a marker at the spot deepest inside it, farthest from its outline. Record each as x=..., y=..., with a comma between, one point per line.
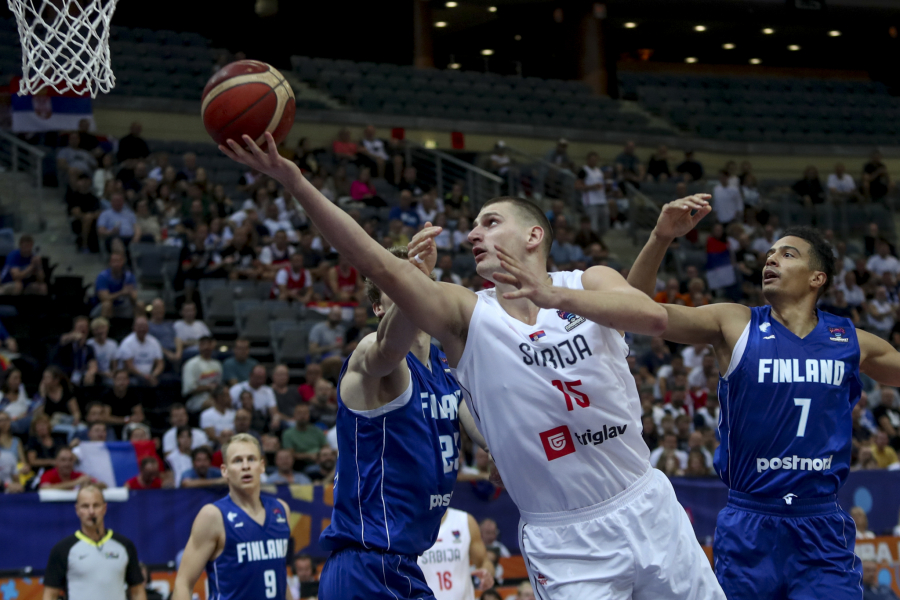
x=544, y=360
x=446, y=565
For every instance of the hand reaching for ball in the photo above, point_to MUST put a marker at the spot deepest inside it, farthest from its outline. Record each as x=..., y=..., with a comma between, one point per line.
x=268, y=163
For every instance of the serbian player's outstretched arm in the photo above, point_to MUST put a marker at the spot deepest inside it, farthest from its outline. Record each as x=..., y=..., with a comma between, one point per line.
x=878, y=359
x=206, y=532
x=441, y=309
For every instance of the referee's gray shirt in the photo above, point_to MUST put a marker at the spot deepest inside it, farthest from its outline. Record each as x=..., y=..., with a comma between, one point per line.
x=89, y=570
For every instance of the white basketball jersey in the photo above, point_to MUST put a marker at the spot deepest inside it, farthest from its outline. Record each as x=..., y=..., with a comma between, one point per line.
x=446, y=564
x=555, y=402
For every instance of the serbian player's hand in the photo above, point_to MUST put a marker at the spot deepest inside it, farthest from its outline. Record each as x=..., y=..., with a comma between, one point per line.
x=486, y=579
x=676, y=220
x=269, y=162
x=528, y=285
x=423, y=246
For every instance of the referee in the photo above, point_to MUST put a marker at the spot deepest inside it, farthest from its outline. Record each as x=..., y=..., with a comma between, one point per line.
x=94, y=563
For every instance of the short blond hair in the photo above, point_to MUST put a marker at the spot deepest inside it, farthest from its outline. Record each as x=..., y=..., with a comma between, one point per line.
x=99, y=321
x=240, y=437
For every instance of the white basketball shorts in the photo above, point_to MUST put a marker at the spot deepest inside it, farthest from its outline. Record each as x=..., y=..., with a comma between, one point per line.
x=637, y=545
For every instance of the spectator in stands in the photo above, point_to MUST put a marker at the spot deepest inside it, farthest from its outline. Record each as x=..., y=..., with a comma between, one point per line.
x=882, y=261
x=658, y=165
x=628, y=165
x=344, y=149
x=276, y=255
x=324, y=470
x=285, y=473
x=142, y=355
x=14, y=401
x=294, y=283
x=727, y=202
x=23, y=272
x=104, y=173
x=122, y=403
x=287, y=397
x=179, y=458
x=148, y=478
x=411, y=182
x=238, y=367
x=326, y=339
x=592, y=185
x=344, y=281
x=74, y=356
x=690, y=169
x=696, y=465
x=133, y=146
x=404, y=211
x=809, y=188
x=202, y=473
x=323, y=404
x=457, y=202
x=876, y=182
x=873, y=589
x=178, y=418
x=263, y=396
x=248, y=418
x=117, y=223
x=882, y=313
x=305, y=158
x=84, y=208
x=116, y=289
x=586, y=236
x=9, y=442
x=189, y=330
x=72, y=160
x=304, y=567
x=669, y=446
x=861, y=519
x=567, y=255
x=220, y=416
x=841, y=187
x=307, y=389
x=657, y=356
x=500, y=163
x=429, y=207
x=444, y=272
x=163, y=331
x=63, y=475
x=104, y=348
x=56, y=400
x=42, y=446
x=490, y=534
x=882, y=452
x=303, y=439
x=372, y=152
x=362, y=190
x=188, y=170
x=160, y=164
x=239, y=258
x=201, y=375
x=559, y=156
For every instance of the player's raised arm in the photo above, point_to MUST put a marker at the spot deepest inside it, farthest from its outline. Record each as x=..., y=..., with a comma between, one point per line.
x=443, y=310
x=686, y=325
x=206, y=533
x=878, y=359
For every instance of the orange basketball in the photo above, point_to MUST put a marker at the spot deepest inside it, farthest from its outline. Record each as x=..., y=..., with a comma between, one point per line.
x=247, y=97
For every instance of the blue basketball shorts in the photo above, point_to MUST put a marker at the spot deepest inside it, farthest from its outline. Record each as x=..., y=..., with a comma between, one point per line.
x=360, y=574
x=768, y=549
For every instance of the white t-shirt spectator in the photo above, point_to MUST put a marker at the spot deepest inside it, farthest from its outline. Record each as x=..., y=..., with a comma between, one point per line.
x=143, y=354
x=460, y=237
x=843, y=185
x=332, y=437
x=266, y=255
x=696, y=378
x=593, y=176
x=105, y=354
x=274, y=225
x=180, y=463
x=854, y=296
x=20, y=406
x=191, y=334
x=693, y=358
x=727, y=203
x=761, y=245
x=438, y=273
x=885, y=323
x=170, y=439
x=211, y=417
x=375, y=148
x=680, y=454
x=263, y=398
x=878, y=265
x=199, y=371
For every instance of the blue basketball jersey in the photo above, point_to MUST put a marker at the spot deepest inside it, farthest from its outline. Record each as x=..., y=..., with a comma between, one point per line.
x=254, y=561
x=785, y=419
x=397, y=464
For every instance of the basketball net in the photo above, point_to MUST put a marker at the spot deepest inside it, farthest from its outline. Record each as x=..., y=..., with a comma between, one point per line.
x=65, y=45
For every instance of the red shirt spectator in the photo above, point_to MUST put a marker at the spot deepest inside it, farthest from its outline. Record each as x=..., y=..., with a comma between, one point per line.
x=53, y=477
x=135, y=483
x=148, y=478
x=63, y=475
x=343, y=147
x=313, y=374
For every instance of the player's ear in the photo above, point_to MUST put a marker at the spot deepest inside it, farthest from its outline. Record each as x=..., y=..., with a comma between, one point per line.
x=378, y=309
x=535, y=237
x=818, y=279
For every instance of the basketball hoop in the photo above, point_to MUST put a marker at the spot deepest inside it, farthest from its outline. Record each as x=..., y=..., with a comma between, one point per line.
x=65, y=45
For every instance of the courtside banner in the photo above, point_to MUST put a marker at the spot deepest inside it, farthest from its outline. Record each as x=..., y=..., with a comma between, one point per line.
x=48, y=111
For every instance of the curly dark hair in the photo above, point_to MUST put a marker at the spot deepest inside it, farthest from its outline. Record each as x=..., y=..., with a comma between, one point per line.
x=821, y=253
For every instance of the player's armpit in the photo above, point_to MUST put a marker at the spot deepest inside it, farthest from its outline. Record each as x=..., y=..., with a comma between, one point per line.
x=878, y=359
x=206, y=532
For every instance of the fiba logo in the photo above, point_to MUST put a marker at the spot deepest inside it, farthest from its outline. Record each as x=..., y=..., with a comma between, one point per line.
x=557, y=442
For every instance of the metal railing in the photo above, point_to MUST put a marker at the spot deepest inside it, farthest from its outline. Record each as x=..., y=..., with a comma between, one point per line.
x=18, y=156
x=539, y=178
x=442, y=171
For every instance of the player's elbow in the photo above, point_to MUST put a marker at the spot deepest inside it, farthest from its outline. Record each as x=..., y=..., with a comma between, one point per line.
x=657, y=320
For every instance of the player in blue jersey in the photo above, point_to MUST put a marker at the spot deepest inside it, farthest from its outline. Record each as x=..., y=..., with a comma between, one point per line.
x=398, y=429
x=241, y=540
x=790, y=379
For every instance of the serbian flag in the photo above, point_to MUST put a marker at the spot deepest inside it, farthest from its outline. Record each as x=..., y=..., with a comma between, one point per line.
x=719, y=269
x=113, y=463
x=48, y=110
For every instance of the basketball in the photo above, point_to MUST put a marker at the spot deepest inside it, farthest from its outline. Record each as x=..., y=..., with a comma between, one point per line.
x=247, y=97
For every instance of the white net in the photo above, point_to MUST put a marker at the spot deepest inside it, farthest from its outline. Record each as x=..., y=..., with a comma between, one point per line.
x=65, y=45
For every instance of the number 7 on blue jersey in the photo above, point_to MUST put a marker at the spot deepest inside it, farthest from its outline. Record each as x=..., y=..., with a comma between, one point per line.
x=804, y=414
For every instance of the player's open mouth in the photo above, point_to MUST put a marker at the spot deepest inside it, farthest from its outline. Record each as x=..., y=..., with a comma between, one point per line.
x=478, y=252
x=770, y=275
x=247, y=478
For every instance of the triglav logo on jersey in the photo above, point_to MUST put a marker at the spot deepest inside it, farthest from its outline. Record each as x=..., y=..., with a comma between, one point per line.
x=573, y=319
x=557, y=442
x=765, y=327
x=838, y=334
x=598, y=437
